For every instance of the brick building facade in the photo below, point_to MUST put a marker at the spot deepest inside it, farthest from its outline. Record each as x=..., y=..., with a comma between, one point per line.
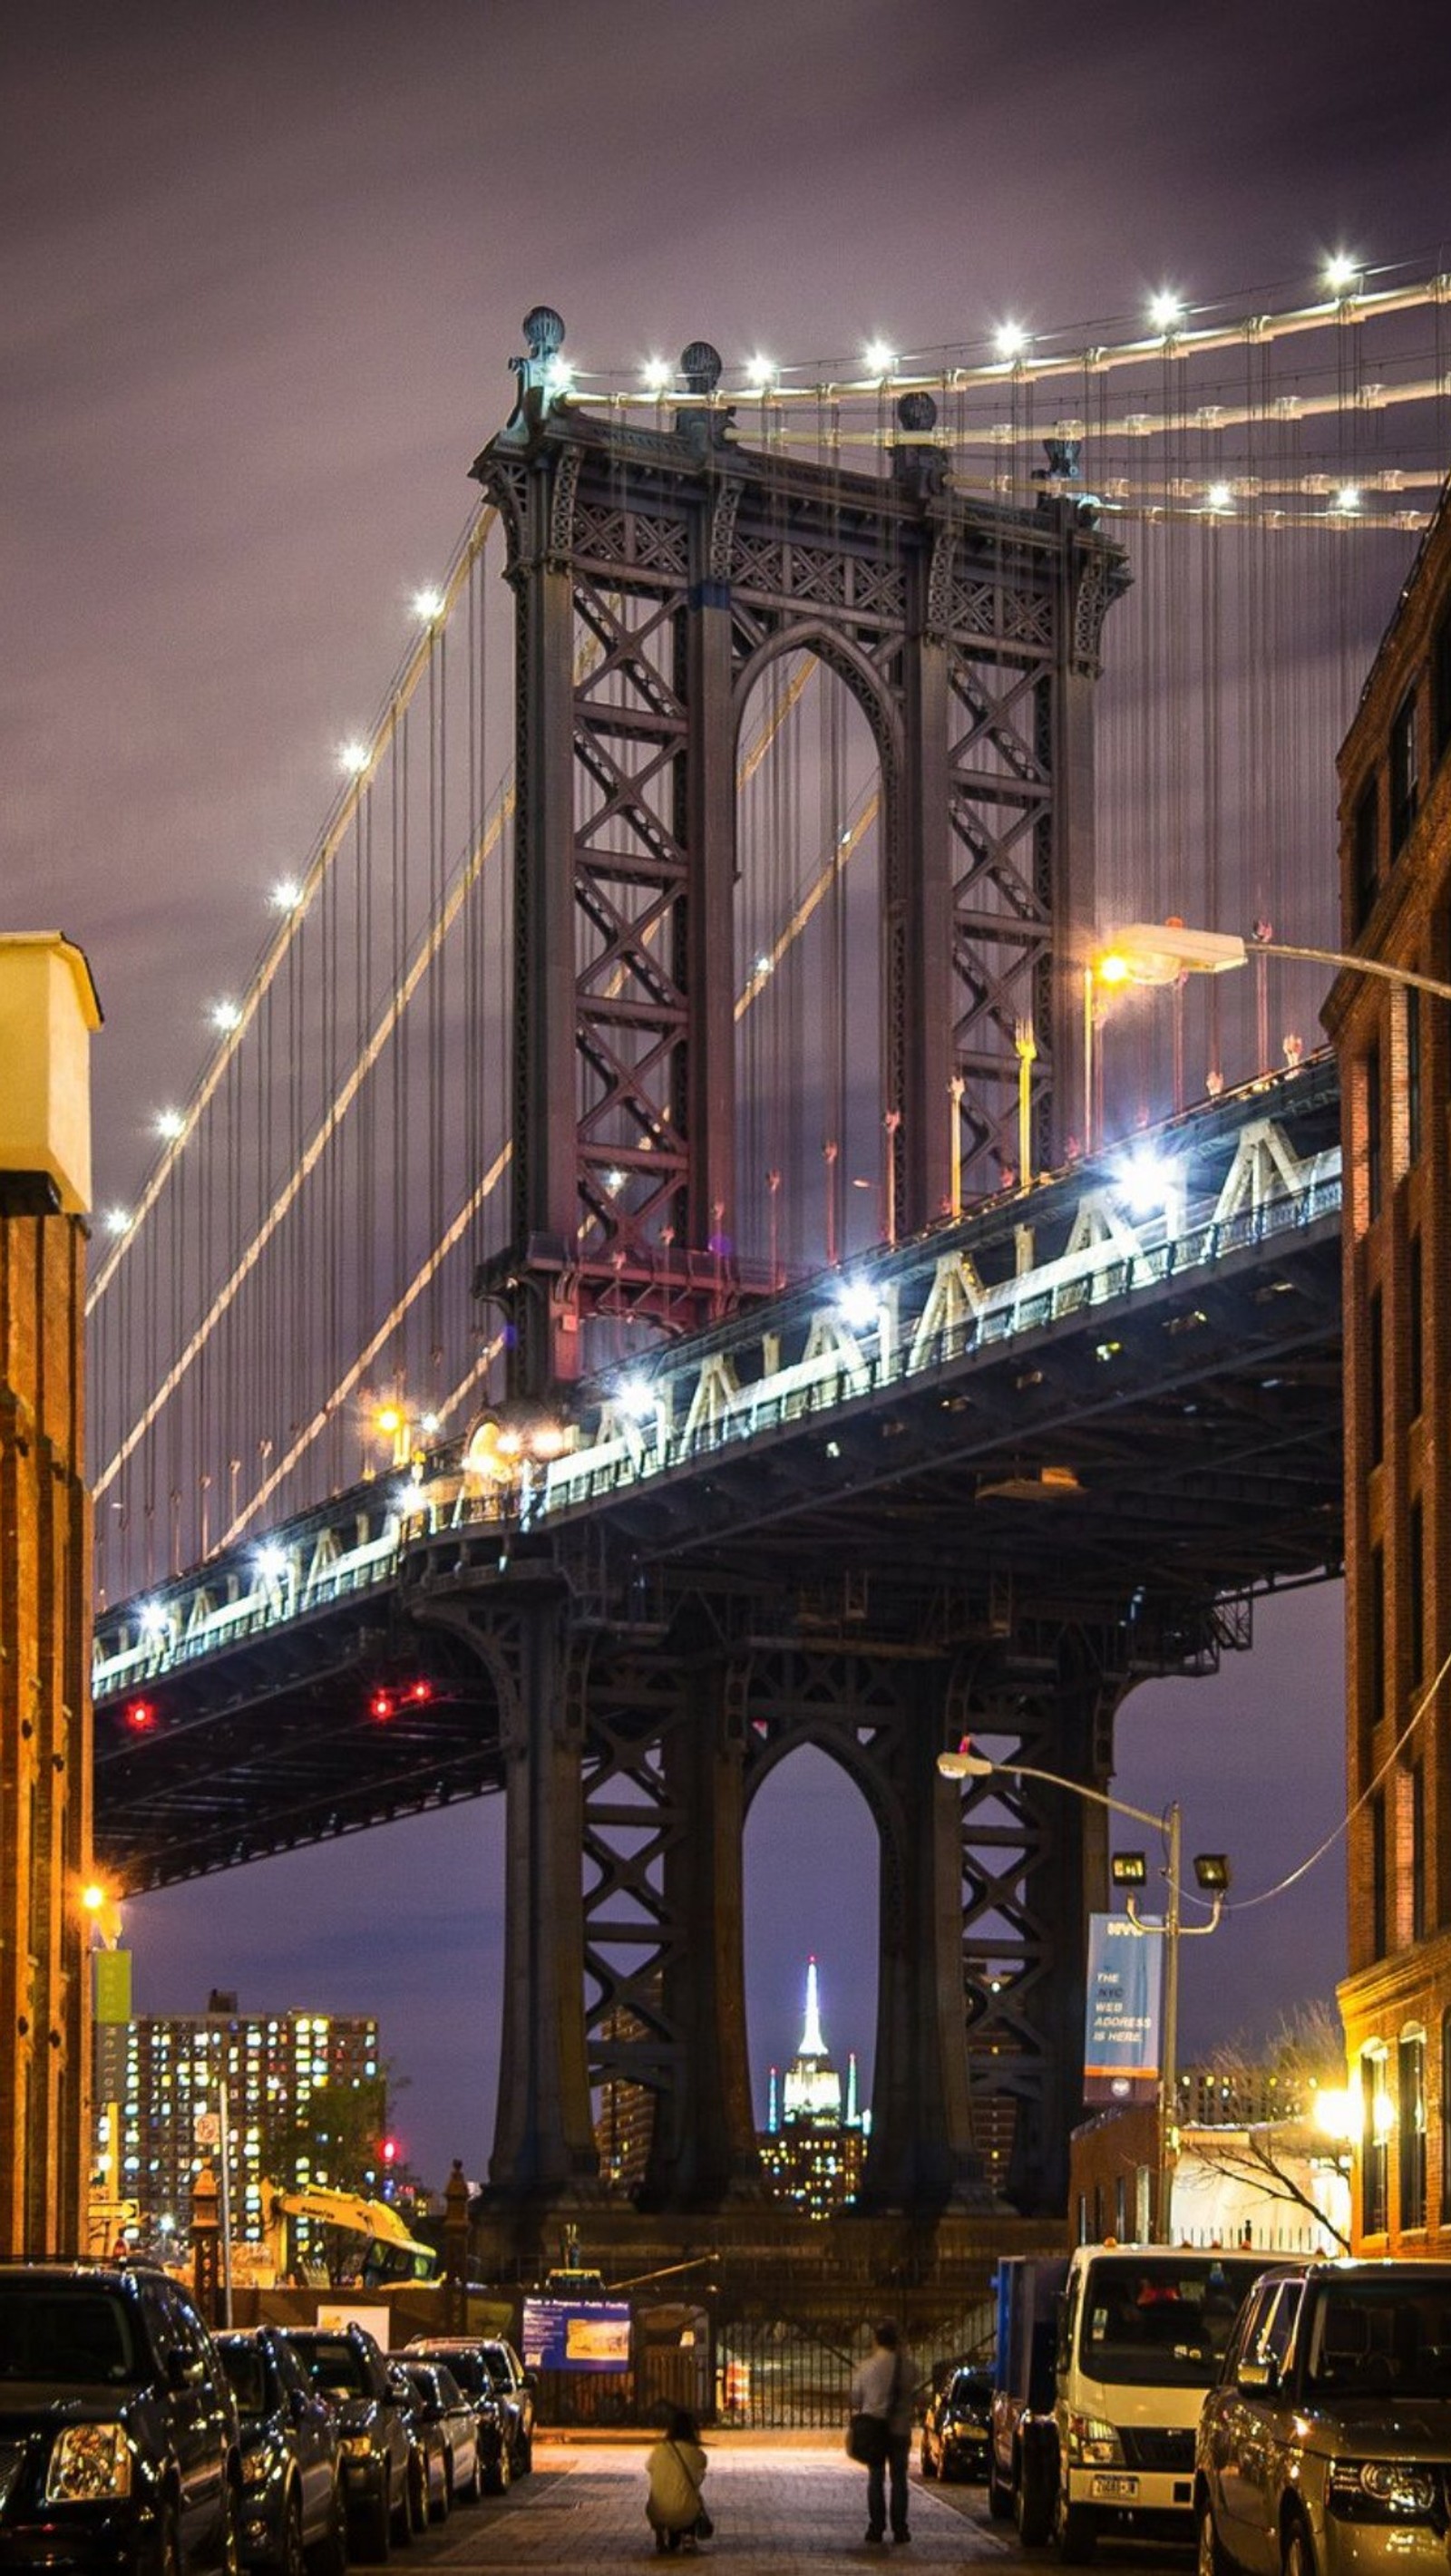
x=1394, y=1046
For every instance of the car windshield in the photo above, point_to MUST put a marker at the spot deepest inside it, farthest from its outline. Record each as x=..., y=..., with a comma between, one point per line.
x=1162, y=2320
x=68, y=2339
x=332, y=2362
x=970, y=2393
x=496, y=2364
x=1380, y=2338
x=247, y=2375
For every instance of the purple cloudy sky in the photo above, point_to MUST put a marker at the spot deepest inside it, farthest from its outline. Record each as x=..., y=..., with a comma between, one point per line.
x=261, y=269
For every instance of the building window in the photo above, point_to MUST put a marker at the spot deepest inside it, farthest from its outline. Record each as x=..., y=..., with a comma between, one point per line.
x=1413, y=1072
x=1375, y=1407
x=1418, y=1852
x=1378, y=1880
x=1415, y=1322
x=1416, y=1590
x=1372, y=1131
x=1364, y=857
x=1405, y=774
x=1376, y=1633
x=1411, y=2119
x=1441, y=687
x=1375, y=2155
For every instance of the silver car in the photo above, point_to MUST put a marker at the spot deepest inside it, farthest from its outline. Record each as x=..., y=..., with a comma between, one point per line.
x=1325, y=2448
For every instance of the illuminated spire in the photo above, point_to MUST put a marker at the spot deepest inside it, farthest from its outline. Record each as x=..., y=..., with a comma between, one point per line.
x=853, y=2115
x=812, y=2043
x=773, y=2115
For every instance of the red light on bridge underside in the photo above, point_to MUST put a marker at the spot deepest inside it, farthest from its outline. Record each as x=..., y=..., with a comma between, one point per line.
x=382, y=1704
x=140, y=1715
x=421, y=1691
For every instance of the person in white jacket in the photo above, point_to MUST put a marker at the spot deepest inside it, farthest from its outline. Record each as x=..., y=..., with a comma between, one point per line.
x=884, y=2386
x=675, y=2469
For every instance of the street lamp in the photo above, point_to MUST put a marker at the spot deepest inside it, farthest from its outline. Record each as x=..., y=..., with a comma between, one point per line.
x=1130, y=1869
x=1159, y=952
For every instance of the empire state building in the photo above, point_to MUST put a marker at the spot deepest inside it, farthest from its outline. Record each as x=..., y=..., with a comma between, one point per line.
x=814, y=2144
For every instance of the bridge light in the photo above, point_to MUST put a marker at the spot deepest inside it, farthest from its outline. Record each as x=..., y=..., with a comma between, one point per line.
x=858, y=1305
x=420, y=1692
x=101, y=1903
x=155, y=1619
x=381, y=1704
x=636, y=1396
x=1010, y=340
x=1166, y=311
x=1220, y=496
x=225, y=1015
x=117, y=1221
x=1144, y=1180
x=139, y=1715
x=431, y=1424
x=1347, y=500
x=1159, y=952
x=658, y=375
x=964, y=1764
x=1341, y=272
x=286, y=895
x=880, y=358
x=760, y=375
x=271, y=1563
x=170, y=1124
x=428, y=604
x=353, y=758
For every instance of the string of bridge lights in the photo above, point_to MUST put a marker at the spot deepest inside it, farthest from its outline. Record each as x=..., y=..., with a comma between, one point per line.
x=1020, y=358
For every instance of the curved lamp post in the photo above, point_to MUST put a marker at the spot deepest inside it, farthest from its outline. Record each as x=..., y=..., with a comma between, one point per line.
x=1155, y=952
x=1129, y=1869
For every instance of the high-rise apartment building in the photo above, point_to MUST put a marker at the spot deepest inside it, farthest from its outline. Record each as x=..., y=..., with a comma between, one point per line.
x=161, y=2081
x=816, y=2134
x=1394, y=1046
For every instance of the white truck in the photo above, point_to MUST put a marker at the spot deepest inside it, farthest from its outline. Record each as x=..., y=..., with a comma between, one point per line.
x=1103, y=2361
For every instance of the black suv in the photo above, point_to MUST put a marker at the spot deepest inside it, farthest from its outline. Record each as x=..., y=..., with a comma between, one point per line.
x=490, y=2371
x=382, y=2478
x=118, y=2434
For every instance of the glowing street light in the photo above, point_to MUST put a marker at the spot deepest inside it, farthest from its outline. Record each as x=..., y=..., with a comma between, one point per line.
x=657, y=375
x=881, y=359
x=1159, y=952
x=353, y=758
x=1166, y=311
x=1129, y=1869
x=1341, y=273
x=1010, y=340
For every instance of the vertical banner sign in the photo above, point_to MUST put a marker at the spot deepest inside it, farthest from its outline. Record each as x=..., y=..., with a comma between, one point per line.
x=1121, y=2035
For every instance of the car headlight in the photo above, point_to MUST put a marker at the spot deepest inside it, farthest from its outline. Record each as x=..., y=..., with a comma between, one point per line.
x=356, y=2446
x=89, y=2460
x=1091, y=2439
x=1374, y=2490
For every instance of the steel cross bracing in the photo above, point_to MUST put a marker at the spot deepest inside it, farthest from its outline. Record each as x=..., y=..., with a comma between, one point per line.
x=968, y=634
x=1028, y=1493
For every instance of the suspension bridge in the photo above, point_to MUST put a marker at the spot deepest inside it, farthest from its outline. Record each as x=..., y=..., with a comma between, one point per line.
x=650, y=1275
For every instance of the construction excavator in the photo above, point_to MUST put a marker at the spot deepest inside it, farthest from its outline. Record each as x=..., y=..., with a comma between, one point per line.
x=368, y=2243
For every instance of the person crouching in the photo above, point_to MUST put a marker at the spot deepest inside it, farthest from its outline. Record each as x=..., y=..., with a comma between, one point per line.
x=675, y=2469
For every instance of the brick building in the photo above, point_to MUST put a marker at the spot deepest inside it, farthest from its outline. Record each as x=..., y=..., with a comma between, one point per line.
x=1394, y=1046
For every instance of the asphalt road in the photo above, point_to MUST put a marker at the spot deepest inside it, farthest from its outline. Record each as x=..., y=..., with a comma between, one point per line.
x=778, y=2503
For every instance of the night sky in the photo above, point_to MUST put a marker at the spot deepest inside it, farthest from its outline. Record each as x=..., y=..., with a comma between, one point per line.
x=261, y=271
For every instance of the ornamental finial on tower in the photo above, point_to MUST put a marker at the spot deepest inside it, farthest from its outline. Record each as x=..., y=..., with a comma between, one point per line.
x=543, y=378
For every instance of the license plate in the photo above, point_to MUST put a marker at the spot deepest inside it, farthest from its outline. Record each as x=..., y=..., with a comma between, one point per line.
x=1113, y=2490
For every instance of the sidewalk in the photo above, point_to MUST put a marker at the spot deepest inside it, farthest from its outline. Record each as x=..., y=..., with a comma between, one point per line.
x=777, y=2504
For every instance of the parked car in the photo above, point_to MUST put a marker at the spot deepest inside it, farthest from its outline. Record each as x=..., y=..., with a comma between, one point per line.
x=382, y=2474
x=956, y=2428
x=293, y=2507
x=119, y=2445
x=453, y=2421
x=487, y=2367
x=429, y=2474
x=1326, y=2445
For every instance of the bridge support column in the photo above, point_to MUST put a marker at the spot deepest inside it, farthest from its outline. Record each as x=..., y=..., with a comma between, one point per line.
x=1034, y=1864
x=544, y=2146
x=921, y=2159
x=703, y=2151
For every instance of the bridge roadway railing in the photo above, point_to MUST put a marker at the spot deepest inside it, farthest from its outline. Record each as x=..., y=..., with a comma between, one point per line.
x=1212, y=1186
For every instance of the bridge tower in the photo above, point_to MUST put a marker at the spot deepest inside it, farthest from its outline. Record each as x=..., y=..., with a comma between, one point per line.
x=657, y=573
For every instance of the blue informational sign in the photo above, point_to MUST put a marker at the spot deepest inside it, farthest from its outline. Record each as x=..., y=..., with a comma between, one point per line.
x=576, y=2334
x=1121, y=2035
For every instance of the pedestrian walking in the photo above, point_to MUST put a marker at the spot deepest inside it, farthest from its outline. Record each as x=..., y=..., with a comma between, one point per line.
x=881, y=2395
x=675, y=2469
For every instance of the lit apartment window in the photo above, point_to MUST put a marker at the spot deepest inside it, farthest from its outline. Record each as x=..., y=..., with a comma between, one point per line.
x=1405, y=773
x=1375, y=2159
x=1411, y=2127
